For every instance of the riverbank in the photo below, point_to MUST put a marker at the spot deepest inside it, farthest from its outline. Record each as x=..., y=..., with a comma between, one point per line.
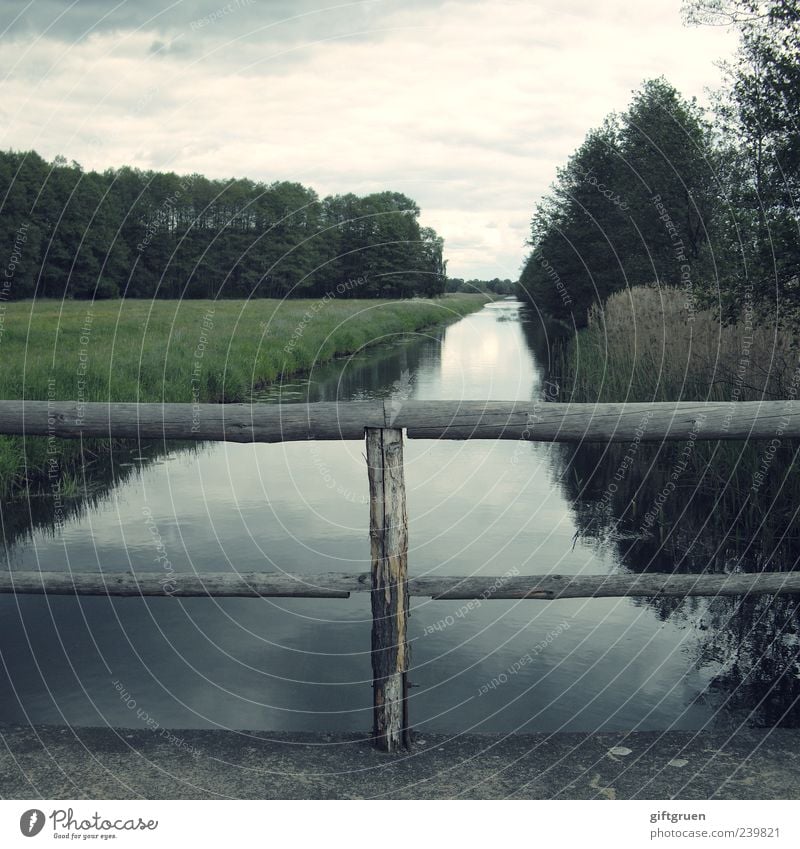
x=650, y=344
x=725, y=505
x=48, y=762
x=179, y=351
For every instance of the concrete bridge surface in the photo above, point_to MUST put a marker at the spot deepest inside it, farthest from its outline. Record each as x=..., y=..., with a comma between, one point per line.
x=50, y=762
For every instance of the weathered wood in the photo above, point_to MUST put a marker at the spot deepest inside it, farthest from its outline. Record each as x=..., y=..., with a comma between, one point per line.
x=529, y=420
x=181, y=585
x=341, y=584
x=388, y=528
x=547, y=587
x=554, y=422
x=214, y=422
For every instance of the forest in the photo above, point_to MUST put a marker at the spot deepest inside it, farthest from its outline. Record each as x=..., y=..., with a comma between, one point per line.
x=125, y=232
x=672, y=194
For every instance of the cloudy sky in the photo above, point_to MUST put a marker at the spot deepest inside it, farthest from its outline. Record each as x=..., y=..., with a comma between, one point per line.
x=466, y=106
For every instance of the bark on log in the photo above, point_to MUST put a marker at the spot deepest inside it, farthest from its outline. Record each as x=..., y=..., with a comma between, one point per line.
x=183, y=584
x=548, y=587
x=527, y=420
x=389, y=546
x=341, y=584
x=217, y=422
x=648, y=422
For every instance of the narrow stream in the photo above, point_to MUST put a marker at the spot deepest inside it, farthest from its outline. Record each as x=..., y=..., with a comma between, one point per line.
x=475, y=508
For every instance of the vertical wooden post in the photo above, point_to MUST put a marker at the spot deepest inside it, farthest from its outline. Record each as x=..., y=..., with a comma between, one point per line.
x=388, y=530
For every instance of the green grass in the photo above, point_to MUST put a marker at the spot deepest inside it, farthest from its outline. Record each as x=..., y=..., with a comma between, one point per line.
x=180, y=351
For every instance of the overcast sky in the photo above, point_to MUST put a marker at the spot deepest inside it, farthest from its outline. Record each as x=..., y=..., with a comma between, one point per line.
x=468, y=107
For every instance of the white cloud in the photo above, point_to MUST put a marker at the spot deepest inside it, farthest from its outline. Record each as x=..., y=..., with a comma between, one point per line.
x=467, y=107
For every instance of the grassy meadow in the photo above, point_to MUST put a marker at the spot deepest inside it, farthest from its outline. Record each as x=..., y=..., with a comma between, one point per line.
x=182, y=351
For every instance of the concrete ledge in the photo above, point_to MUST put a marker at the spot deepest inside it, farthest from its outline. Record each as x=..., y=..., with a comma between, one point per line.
x=50, y=762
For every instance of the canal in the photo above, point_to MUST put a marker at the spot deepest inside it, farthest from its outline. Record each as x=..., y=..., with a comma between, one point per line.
x=475, y=508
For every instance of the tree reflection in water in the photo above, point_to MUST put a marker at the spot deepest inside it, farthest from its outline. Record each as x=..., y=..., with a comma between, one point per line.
x=696, y=508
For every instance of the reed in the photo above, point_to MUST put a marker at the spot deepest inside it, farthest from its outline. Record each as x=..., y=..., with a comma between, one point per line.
x=738, y=501
x=646, y=344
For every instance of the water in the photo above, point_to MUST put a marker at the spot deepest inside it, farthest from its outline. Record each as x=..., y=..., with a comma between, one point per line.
x=475, y=508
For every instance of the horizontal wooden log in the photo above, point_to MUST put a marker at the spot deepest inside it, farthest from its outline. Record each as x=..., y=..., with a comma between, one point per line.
x=554, y=422
x=547, y=587
x=182, y=585
x=212, y=422
x=340, y=585
x=527, y=420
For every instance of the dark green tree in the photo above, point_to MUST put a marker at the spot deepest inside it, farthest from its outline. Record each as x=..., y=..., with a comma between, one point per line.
x=159, y=234
x=757, y=112
x=636, y=204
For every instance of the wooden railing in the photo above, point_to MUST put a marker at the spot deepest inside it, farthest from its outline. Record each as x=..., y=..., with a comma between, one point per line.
x=382, y=425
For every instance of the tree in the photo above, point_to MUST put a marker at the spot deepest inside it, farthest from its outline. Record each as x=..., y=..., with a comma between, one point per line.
x=158, y=234
x=636, y=204
x=757, y=112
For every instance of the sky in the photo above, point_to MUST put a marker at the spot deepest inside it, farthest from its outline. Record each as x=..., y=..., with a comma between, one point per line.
x=468, y=107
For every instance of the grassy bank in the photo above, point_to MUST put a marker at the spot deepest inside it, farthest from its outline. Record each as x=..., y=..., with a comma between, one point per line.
x=139, y=350
x=645, y=344
x=695, y=507
x=738, y=500
x=212, y=351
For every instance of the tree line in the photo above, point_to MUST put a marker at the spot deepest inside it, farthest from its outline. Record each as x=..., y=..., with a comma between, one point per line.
x=495, y=286
x=673, y=194
x=78, y=234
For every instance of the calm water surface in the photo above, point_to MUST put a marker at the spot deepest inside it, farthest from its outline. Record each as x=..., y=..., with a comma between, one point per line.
x=475, y=508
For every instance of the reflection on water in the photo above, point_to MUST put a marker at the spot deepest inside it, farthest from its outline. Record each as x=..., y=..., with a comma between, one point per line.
x=476, y=507
x=712, y=521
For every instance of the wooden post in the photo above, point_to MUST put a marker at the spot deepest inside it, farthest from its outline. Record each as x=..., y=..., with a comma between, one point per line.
x=388, y=530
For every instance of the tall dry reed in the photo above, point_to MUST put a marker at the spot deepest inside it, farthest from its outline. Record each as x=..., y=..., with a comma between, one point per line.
x=646, y=344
